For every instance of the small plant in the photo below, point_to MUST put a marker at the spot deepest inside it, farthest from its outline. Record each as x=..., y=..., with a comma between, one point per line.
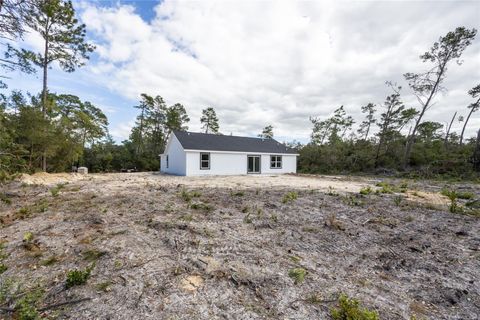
x=289, y=197
x=239, y=193
x=385, y=187
x=49, y=261
x=352, y=201
x=23, y=213
x=202, y=206
x=397, y=200
x=104, y=286
x=5, y=199
x=56, y=190
x=245, y=209
x=297, y=274
x=247, y=218
x=27, y=237
x=350, y=309
x=26, y=308
x=78, y=277
x=365, y=191
x=93, y=255
x=274, y=217
x=3, y=268
x=332, y=192
x=188, y=196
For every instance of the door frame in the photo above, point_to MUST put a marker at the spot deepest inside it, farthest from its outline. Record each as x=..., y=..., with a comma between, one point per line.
x=259, y=163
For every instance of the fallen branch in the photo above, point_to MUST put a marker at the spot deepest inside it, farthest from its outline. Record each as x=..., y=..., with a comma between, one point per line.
x=61, y=304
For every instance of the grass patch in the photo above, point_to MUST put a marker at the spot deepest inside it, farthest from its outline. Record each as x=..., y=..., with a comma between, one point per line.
x=49, y=261
x=202, y=206
x=93, y=255
x=55, y=191
x=350, y=309
x=297, y=274
x=239, y=193
x=289, y=197
x=187, y=196
x=365, y=191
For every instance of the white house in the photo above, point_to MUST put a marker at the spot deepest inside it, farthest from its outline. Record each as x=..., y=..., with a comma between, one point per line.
x=195, y=154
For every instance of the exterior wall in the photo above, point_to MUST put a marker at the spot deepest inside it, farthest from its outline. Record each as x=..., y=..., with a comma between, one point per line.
x=223, y=163
x=176, y=158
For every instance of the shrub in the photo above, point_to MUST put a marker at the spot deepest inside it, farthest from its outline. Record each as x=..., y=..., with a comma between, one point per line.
x=56, y=190
x=188, y=196
x=397, y=200
x=78, y=277
x=289, y=197
x=366, y=191
x=3, y=268
x=350, y=309
x=297, y=274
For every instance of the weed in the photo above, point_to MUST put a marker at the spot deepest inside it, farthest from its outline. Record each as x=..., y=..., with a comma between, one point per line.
x=351, y=309
x=49, y=261
x=78, y=277
x=188, y=196
x=23, y=213
x=26, y=306
x=93, y=255
x=4, y=198
x=332, y=192
x=366, y=191
x=3, y=268
x=314, y=298
x=334, y=223
x=247, y=218
x=274, y=217
x=295, y=259
x=202, y=206
x=297, y=274
x=352, y=201
x=289, y=197
x=56, y=190
x=385, y=187
x=238, y=193
x=104, y=286
x=187, y=217
x=27, y=237
x=397, y=200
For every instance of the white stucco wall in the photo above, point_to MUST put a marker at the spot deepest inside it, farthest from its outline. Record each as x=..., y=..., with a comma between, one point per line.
x=176, y=158
x=231, y=163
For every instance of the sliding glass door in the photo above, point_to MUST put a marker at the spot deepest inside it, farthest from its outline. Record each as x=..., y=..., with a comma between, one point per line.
x=253, y=164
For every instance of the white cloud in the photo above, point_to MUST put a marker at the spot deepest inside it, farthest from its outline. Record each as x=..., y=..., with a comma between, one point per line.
x=278, y=62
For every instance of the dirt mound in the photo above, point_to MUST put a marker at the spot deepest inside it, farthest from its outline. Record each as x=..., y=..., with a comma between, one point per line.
x=49, y=178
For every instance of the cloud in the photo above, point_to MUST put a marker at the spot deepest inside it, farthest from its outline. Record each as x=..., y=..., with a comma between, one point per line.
x=278, y=62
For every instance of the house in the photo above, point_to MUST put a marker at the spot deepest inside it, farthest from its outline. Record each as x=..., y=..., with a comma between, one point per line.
x=195, y=154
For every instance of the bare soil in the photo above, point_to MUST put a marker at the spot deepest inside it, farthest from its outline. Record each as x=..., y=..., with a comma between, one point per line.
x=165, y=247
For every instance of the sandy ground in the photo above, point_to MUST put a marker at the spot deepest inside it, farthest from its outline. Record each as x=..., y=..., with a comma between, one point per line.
x=166, y=247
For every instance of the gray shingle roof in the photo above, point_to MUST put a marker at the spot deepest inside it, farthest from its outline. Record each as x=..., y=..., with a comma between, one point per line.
x=217, y=142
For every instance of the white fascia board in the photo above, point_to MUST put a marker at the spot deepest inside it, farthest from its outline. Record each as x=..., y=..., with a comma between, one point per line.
x=242, y=152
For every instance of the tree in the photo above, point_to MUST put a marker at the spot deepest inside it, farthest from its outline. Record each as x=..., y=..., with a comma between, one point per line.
x=426, y=85
x=267, y=132
x=392, y=120
x=364, y=129
x=474, y=92
x=334, y=127
x=176, y=118
x=209, y=120
x=445, y=142
x=63, y=38
x=12, y=26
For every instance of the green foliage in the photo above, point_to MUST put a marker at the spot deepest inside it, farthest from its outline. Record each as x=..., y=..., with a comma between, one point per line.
x=26, y=306
x=56, y=190
x=78, y=277
x=209, y=120
x=350, y=309
x=397, y=200
x=297, y=274
x=267, y=132
x=3, y=268
x=202, y=206
x=289, y=197
x=28, y=237
x=188, y=196
x=366, y=191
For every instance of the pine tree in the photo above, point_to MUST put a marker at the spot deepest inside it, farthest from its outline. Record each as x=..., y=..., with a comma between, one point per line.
x=209, y=120
x=267, y=132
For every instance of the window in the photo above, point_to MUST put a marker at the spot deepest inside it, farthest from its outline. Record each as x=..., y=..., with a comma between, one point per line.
x=167, y=160
x=275, y=162
x=204, y=161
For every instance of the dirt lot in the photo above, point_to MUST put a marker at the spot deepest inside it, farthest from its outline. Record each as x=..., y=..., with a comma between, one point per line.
x=164, y=247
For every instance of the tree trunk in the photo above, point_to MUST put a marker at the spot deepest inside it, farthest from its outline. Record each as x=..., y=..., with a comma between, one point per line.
x=411, y=139
x=466, y=121
x=44, y=92
x=448, y=131
x=476, y=154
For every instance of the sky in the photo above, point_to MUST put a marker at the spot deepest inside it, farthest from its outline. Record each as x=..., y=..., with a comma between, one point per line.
x=263, y=62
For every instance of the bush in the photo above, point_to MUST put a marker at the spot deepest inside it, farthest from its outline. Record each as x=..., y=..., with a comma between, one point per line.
x=350, y=309
x=78, y=277
x=366, y=191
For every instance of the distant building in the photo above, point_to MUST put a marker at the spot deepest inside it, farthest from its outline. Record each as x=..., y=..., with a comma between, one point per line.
x=196, y=154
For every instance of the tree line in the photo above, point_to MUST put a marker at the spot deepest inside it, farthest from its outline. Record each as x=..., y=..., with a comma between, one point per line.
x=53, y=132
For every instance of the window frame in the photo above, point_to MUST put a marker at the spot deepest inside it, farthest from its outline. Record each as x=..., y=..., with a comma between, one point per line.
x=209, y=160
x=166, y=161
x=276, y=161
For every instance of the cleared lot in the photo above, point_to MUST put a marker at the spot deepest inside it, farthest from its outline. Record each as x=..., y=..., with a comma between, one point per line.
x=225, y=247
